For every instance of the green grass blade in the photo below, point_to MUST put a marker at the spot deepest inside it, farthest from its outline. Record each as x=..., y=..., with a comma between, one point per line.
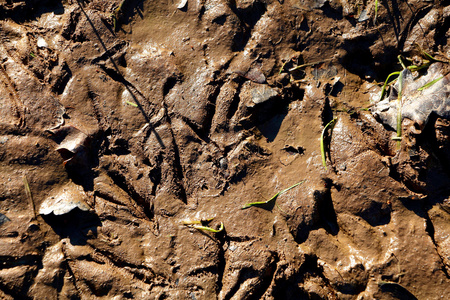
x=282, y=67
x=430, y=84
x=131, y=103
x=285, y=190
x=272, y=198
x=383, y=90
x=399, y=109
x=322, y=141
x=401, y=61
x=254, y=204
x=376, y=12
x=206, y=228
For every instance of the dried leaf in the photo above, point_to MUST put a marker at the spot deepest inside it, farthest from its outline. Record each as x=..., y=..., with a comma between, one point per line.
x=64, y=200
x=72, y=144
x=417, y=105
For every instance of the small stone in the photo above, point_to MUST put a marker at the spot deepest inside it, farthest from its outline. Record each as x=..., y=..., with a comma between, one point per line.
x=283, y=79
x=263, y=93
x=41, y=43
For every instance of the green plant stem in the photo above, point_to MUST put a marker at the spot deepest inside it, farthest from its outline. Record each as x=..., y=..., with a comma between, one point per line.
x=383, y=90
x=376, y=12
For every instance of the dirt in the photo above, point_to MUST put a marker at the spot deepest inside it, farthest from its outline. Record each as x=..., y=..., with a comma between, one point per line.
x=126, y=125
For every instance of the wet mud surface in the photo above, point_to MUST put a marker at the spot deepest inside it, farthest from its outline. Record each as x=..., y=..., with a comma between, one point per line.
x=129, y=130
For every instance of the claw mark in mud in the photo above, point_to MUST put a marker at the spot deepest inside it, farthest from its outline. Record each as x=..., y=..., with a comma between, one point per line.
x=169, y=84
x=143, y=273
x=143, y=207
x=220, y=266
x=178, y=168
x=248, y=17
x=16, y=103
x=234, y=104
x=117, y=75
x=430, y=230
x=267, y=277
x=73, y=276
x=211, y=108
x=417, y=15
x=102, y=123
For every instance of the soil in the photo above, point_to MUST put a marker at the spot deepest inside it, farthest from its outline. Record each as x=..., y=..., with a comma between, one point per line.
x=131, y=130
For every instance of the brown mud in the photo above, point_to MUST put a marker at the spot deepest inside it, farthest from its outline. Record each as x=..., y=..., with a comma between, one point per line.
x=123, y=120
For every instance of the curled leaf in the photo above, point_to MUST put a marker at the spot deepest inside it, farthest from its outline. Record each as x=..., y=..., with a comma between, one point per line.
x=73, y=144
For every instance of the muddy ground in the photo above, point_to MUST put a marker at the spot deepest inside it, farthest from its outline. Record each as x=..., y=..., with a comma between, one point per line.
x=124, y=122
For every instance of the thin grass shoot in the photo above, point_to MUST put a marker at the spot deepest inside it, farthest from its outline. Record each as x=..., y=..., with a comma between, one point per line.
x=399, y=109
x=430, y=83
x=206, y=228
x=131, y=103
x=274, y=197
